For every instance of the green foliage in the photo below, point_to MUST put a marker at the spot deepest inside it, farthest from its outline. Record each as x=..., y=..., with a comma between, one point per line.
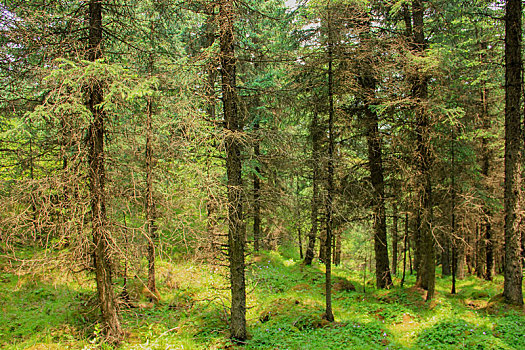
x=448, y=334
x=285, y=307
x=337, y=336
x=35, y=312
x=510, y=330
x=157, y=58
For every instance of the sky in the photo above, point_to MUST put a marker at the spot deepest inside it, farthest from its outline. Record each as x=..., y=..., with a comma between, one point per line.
x=291, y=3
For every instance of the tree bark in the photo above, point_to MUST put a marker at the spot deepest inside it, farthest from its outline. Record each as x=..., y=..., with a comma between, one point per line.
x=405, y=248
x=150, y=206
x=461, y=258
x=480, y=253
x=257, y=192
x=368, y=83
x=211, y=73
x=233, y=143
x=312, y=235
x=101, y=235
x=150, y=202
x=452, y=236
x=426, y=273
x=383, y=277
x=445, y=255
x=454, y=269
x=322, y=240
x=338, y=247
x=330, y=179
x=485, y=168
x=513, y=275
x=395, y=238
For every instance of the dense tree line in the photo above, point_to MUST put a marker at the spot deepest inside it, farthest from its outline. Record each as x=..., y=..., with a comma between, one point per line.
x=299, y=125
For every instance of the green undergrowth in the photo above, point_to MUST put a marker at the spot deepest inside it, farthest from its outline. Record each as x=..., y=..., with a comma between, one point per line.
x=52, y=309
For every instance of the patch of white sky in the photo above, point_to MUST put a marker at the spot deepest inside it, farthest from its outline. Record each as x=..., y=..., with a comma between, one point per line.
x=7, y=18
x=291, y=4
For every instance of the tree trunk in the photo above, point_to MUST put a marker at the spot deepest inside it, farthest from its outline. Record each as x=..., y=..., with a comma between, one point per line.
x=485, y=167
x=211, y=73
x=410, y=263
x=150, y=206
x=233, y=142
x=150, y=203
x=312, y=236
x=322, y=241
x=445, y=255
x=300, y=242
x=395, y=238
x=426, y=273
x=101, y=235
x=383, y=277
x=469, y=252
x=489, y=244
x=417, y=241
x=337, y=251
x=461, y=258
x=480, y=253
x=257, y=192
x=297, y=215
x=405, y=248
x=454, y=269
x=368, y=83
x=330, y=179
x=451, y=237
x=513, y=275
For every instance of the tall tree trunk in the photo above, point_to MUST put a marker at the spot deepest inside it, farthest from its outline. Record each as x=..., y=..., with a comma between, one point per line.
x=368, y=83
x=469, y=251
x=395, y=238
x=453, y=237
x=480, y=253
x=383, y=277
x=485, y=168
x=233, y=142
x=298, y=222
x=300, y=242
x=211, y=74
x=445, y=255
x=338, y=247
x=512, y=286
x=405, y=248
x=150, y=206
x=454, y=268
x=417, y=241
x=375, y=161
x=410, y=260
x=330, y=177
x=315, y=135
x=257, y=192
x=34, y=222
x=150, y=203
x=489, y=245
x=461, y=258
x=101, y=235
x=426, y=273
x=322, y=240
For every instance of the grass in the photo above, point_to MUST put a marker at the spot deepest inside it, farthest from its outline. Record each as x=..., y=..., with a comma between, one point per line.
x=53, y=310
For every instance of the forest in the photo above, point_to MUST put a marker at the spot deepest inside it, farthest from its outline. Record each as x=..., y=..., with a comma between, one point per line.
x=261, y=174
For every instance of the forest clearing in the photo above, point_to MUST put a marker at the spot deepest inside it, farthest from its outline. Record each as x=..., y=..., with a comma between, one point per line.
x=262, y=174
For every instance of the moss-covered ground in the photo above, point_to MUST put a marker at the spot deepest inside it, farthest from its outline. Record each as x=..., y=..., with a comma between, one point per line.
x=53, y=309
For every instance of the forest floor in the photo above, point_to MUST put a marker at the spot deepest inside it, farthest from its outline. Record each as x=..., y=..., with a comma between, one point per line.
x=53, y=309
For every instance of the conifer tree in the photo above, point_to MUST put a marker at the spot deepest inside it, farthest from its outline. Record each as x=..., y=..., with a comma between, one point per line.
x=512, y=288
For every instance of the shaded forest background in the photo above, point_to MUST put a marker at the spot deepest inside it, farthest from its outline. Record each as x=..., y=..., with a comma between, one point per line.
x=370, y=135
